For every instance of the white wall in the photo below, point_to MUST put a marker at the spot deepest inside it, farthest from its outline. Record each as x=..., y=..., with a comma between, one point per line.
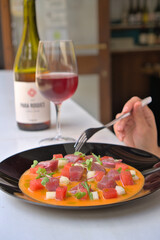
x=73, y=19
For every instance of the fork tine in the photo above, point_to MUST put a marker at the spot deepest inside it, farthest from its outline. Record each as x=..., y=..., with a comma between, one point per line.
x=79, y=139
x=80, y=142
x=79, y=145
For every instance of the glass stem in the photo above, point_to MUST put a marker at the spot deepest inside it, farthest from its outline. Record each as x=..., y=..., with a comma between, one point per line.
x=58, y=123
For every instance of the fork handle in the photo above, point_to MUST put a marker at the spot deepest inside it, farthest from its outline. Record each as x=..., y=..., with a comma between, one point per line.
x=150, y=170
x=144, y=102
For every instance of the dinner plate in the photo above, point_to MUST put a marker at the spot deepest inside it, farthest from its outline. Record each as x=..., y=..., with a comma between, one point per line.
x=13, y=167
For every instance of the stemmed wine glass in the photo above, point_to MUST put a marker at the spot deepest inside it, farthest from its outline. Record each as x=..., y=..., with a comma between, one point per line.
x=56, y=76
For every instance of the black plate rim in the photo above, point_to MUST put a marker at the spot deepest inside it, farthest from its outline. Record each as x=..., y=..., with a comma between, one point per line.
x=76, y=207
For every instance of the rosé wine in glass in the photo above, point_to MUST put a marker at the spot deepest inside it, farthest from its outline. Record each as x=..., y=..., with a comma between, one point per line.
x=56, y=76
x=57, y=87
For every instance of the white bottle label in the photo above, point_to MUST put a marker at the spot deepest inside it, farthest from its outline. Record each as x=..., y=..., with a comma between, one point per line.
x=30, y=105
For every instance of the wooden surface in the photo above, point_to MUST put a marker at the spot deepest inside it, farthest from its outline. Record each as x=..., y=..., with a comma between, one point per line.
x=129, y=78
x=6, y=34
x=100, y=63
x=93, y=64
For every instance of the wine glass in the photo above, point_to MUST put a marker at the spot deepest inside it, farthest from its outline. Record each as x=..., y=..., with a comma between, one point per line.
x=56, y=76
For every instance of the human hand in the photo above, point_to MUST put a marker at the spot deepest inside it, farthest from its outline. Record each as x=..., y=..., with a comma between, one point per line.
x=139, y=129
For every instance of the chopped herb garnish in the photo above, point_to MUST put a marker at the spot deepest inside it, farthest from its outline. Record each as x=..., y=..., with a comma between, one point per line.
x=41, y=170
x=86, y=186
x=62, y=159
x=50, y=174
x=119, y=170
x=97, y=158
x=89, y=163
x=79, y=195
x=44, y=181
x=42, y=173
x=35, y=162
x=79, y=153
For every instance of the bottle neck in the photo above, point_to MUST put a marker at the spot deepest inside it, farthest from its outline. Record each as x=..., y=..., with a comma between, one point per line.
x=29, y=16
x=145, y=4
x=138, y=5
x=131, y=4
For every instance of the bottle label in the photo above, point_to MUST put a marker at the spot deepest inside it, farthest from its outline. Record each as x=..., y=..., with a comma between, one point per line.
x=30, y=105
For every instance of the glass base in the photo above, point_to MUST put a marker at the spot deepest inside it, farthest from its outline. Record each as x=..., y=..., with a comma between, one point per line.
x=55, y=140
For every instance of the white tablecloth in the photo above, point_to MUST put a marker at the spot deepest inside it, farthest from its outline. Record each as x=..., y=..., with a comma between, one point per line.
x=19, y=220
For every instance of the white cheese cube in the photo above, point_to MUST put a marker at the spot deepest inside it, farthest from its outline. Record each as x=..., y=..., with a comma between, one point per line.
x=90, y=175
x=133, y=172
x=50, y=195
x=135, y=177
x=62, y=163
x=79, y=164
x=120, y=190
x=95, y=195
x=63, y=180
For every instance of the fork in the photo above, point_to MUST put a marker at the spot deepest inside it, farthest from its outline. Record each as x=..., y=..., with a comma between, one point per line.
x=88, y=133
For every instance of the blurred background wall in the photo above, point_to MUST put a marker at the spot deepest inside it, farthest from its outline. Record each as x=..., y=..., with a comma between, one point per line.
x=118, y=55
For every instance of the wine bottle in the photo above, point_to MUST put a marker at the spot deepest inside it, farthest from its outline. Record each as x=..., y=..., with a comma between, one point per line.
x=138, y=13
x=143, y=37
x=131, y=13
x=145, y=13
x=157, y=12
x=157, y=34
x=32, y=110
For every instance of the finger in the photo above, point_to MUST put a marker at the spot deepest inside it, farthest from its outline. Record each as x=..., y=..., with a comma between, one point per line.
x=138, y=113
x=157, y=165
x=152, y=177
x=129, y=105
x=152, y=185
x=143, y=115
x=119, y=126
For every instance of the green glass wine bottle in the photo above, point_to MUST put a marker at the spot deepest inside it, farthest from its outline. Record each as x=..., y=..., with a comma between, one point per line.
x=32, y=110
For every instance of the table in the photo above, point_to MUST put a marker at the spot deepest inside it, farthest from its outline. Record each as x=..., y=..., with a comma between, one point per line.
x=19, y=220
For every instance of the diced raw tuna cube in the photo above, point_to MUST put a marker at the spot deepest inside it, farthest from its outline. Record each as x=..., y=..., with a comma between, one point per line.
x=52, y=184
x=107, y=158
x=108, y=163
x=97, y=167
x=50, y=165
x=89, y=157
x=106, y=183
x=113, y=173
x=76, y=188
x=73, y=158
x=75, y=173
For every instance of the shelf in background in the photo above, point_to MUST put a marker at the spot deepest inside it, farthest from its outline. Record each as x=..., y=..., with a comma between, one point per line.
x=135, y=48
x=121, y=26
